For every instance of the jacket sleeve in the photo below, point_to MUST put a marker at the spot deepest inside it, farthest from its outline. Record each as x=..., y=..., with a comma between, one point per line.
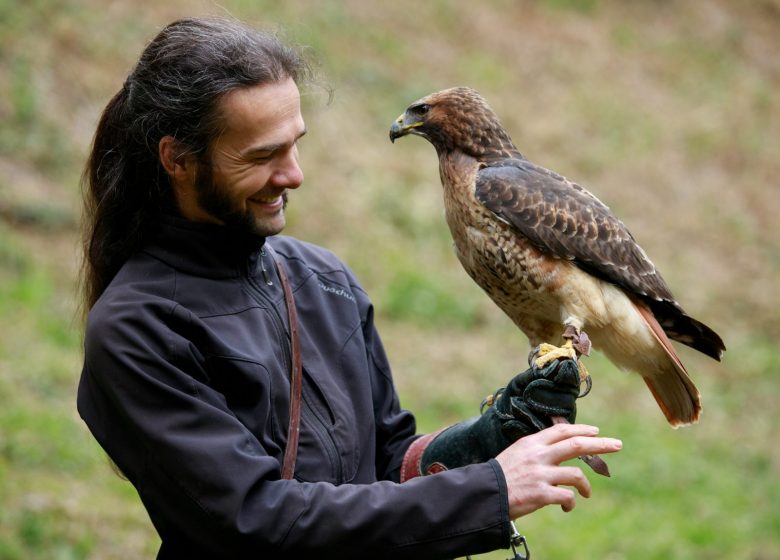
x=202, y=474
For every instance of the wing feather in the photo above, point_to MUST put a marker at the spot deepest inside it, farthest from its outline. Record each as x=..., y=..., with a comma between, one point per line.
x=566, y=221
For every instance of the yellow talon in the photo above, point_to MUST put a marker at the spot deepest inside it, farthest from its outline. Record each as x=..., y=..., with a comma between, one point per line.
x=547, y=353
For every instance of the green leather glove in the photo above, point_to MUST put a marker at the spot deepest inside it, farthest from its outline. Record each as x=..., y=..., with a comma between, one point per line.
x=525, y=406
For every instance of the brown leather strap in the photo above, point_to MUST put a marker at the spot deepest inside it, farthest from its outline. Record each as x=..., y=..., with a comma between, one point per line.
x=296, y=381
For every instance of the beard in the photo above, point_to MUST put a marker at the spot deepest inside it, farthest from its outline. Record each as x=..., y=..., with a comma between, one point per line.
x=216, y=200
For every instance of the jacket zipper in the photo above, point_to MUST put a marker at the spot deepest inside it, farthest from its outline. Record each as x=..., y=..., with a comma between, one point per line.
x=324, y=435
x=315, y=421
x=257, y=291
x=266, y=277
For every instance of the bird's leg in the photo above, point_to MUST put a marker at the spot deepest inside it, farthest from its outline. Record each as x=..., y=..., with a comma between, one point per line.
x=580, y=342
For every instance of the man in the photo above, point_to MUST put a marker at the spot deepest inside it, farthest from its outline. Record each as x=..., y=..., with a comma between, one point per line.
x=189, y=343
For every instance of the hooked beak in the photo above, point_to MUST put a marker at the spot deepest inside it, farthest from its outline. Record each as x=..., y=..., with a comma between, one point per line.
x=402, y=126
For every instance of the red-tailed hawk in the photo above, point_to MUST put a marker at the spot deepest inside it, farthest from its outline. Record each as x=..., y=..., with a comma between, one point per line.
x=551, y=255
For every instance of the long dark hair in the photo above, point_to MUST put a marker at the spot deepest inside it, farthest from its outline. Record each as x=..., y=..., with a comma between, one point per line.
x=174, y=90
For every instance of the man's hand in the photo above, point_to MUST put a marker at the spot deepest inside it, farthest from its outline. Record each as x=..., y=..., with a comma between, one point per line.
x=533, y=471
x=526, y=405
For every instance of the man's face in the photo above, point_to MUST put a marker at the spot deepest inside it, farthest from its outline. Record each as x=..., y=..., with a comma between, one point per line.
x=253, y=162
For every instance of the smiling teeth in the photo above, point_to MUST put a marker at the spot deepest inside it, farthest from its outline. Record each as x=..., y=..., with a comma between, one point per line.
x=267, y=199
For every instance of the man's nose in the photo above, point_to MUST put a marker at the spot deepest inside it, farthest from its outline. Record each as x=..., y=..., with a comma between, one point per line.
x=289, y=173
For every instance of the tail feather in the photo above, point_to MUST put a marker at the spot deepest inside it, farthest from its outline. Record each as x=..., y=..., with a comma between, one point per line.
x=685, y=329
x=673, y=389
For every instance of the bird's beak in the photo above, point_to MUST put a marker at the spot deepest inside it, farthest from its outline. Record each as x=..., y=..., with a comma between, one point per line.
x=402, y=126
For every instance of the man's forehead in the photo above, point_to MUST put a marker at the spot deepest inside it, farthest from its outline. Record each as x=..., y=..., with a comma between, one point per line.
x=263, y=109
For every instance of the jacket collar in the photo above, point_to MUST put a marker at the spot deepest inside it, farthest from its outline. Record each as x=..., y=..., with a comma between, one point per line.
x=203, y=249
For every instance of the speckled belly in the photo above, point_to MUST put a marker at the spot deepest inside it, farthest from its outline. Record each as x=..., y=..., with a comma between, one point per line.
x=517, y=276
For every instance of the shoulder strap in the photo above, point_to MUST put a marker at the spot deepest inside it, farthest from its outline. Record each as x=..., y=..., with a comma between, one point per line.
x=296, y=382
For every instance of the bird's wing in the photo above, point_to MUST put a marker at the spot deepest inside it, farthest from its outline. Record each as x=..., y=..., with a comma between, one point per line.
x=565, y=221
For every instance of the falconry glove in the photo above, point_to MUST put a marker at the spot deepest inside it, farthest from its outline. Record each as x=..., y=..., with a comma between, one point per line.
x=525, y=406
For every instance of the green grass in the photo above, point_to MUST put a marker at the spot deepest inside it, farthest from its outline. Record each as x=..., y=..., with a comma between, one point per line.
x=666, y=111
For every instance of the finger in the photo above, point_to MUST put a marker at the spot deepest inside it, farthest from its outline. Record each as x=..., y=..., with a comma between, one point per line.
x=564, y=431
x=523, y=379
x=572, y=476
x=583, y=445
x=564, y=497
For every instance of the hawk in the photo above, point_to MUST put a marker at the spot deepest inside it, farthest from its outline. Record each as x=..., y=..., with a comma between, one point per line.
x=552, y=256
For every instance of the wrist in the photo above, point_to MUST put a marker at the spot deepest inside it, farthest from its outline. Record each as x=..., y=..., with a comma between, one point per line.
x=475, y=440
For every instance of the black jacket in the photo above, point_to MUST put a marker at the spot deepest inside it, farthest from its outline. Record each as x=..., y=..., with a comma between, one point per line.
x=186, y=386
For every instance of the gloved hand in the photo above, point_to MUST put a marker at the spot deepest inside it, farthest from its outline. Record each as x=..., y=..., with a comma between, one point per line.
x=531, y=398
x=523, y=407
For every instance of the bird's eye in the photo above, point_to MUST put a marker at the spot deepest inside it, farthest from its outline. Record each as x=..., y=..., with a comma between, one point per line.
x=420, y=109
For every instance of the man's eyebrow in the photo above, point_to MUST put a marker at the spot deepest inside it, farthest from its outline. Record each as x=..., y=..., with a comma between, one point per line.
x=271, y=148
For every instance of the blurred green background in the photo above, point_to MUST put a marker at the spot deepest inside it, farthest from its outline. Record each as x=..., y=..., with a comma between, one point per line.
x=667, y=110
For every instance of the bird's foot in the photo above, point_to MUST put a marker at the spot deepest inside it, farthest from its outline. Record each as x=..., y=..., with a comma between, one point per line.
x=546, y=353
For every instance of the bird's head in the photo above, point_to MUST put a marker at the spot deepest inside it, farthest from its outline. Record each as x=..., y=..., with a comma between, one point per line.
x=454, y=119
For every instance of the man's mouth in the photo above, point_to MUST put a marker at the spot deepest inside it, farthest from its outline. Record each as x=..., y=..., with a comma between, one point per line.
x=271, y=200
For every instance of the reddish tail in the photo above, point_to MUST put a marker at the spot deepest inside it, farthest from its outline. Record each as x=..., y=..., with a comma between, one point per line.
x=673, y=389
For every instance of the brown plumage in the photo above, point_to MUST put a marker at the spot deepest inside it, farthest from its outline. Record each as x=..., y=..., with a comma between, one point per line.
x=551, y=255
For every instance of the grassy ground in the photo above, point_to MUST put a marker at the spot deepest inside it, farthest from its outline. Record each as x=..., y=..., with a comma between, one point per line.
x=667, y=110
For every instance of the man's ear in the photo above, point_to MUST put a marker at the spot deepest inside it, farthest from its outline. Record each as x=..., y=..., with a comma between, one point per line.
x=179, y=166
